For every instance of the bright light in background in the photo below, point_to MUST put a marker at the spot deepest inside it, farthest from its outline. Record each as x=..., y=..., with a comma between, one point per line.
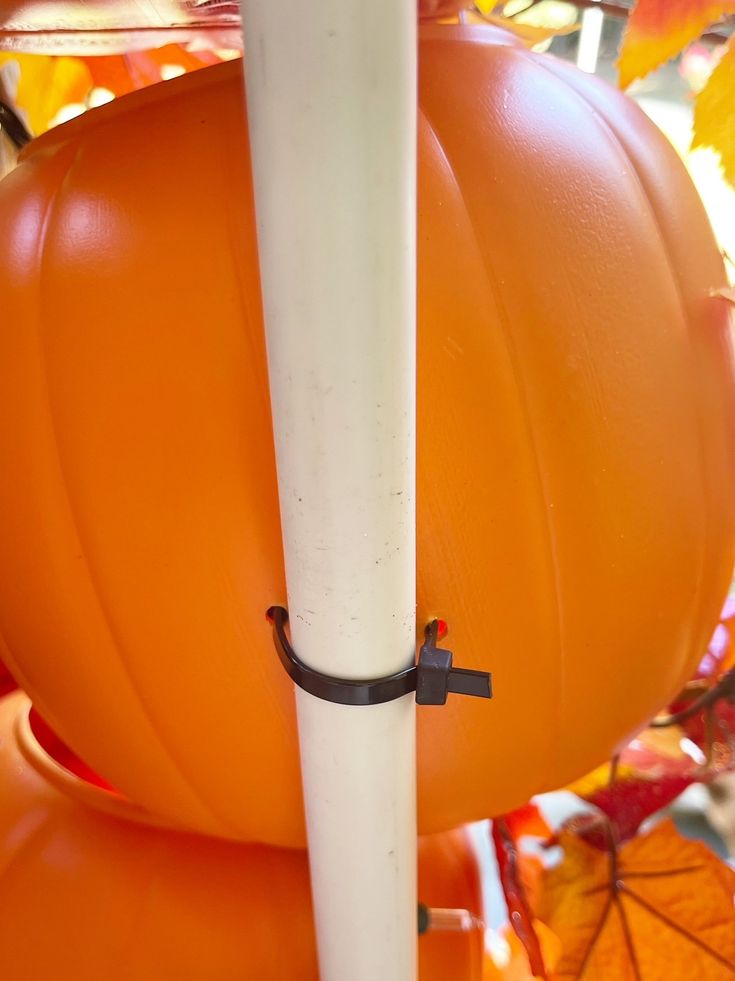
x=67, y=112
x=171, y=71
x=590, y=36
x=99, y=97
x=228, y=54
x=693, y=751
x=697, y=64
x=674, y=119
x=555, y=15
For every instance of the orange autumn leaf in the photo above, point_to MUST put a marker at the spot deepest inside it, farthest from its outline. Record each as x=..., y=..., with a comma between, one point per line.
x=515, y=966
x=597, y=779
x=714, y=113
x=490, y=970
x=662, y=907
x=659, y=29
x=531, y=873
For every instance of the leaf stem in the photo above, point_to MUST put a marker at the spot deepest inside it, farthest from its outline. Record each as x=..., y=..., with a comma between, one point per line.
x=725, y=688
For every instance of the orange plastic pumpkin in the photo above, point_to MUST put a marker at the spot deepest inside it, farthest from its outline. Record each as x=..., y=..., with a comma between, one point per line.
x=576, y=453
x=87, y=895
x=432, y=9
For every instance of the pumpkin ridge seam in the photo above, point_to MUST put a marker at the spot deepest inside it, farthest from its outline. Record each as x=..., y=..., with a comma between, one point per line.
x=706, y=546
x=550, y=550
x=71, y=159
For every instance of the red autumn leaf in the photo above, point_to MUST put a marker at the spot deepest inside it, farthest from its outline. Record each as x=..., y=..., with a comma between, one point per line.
x=706, y=707
x=707, y=715
x=519, y=909
x=713, y=730
x=648, y=775
x=630, y=802
x=659, y=29
x=659, y=907
x=515, y=966
x=527, y=820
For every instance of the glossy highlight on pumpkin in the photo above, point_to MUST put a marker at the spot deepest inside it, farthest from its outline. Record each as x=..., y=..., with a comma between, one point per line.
x=576, y=453
x=92, y=892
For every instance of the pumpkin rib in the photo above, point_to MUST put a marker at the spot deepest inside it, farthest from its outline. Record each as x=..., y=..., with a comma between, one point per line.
x=551, y=744
x=176, y=906
x=129, y=942
x=92, y=576
x=232, y=222
x=8, y=656
x=708, y=480
x=615, y=140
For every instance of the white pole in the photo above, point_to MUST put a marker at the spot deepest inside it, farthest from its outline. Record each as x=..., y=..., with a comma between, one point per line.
x=590, y=36
x=331, y=88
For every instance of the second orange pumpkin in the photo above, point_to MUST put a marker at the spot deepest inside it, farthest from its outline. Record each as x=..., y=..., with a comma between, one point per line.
x=88, y=891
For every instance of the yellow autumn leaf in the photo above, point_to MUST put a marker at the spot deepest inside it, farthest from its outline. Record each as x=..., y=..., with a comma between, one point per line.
x=47, y=84
x=598, y=778
x=659, y=29
x=533, y=26
x=529, y=33
x=714, y=113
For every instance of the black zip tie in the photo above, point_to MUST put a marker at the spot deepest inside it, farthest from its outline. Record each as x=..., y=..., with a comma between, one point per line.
x=424, y=918
x=13, y=126
x=432, y=678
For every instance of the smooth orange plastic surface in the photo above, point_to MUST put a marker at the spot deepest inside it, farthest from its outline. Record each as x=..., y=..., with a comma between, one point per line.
x=85, y=896
x=576, y=444
x=441, y=8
